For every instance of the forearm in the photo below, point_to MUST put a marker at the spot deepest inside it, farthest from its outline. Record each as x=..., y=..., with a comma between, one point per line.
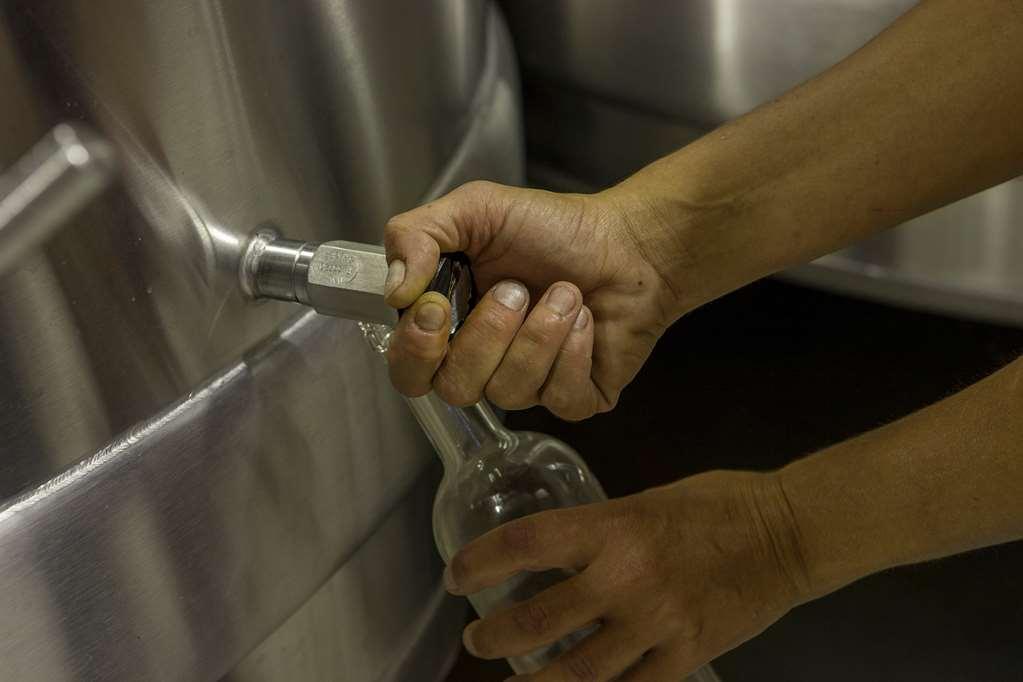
x=928, y=112
x=942, y=481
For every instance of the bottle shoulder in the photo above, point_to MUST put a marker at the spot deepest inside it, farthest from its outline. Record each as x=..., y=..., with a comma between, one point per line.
x=540, y=473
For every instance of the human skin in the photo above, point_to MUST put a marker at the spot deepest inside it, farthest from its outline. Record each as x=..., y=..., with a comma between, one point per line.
x=927, y=113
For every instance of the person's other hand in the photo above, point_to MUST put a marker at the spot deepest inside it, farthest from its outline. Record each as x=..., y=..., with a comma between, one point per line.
x=569, y=307
x=675, y=576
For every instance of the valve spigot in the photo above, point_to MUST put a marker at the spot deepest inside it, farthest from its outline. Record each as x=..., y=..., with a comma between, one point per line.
x=342, y=278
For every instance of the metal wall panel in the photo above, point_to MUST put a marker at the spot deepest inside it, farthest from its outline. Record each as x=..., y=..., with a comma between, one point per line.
x=181, y=469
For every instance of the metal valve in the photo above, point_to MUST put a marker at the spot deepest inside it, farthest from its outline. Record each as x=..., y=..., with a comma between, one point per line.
x=341, y=278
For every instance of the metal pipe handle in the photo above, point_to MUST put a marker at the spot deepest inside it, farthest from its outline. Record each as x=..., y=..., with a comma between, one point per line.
x=63, y=172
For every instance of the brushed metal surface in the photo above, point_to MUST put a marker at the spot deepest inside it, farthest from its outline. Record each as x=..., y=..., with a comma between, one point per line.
x=182, y=543
x=701, y=61
x=965, y=260
x=406, y=623
x=611, y=85
x=55, y=179
x=181, y=469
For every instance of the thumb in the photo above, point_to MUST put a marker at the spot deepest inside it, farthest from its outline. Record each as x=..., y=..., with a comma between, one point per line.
x=415, y=239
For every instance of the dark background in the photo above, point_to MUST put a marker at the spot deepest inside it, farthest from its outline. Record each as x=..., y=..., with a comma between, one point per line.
x=771, y=373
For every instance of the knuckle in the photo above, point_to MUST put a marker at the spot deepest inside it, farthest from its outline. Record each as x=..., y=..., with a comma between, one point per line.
x=571, y=414
x=564, y=402
x=404, y=238
x=453, y=390
x=399, y=232
x=684, y=623
x=646, y=560
x=642, y=542
x=490, y=322
x=675, y=614
x=484, y=643
x=521, y=536
x=580, y=666
x=540, y=331
x=575, y=353
x=558, y=401
x=507, y=397
x=460, y=568
x=533, y=619
x=473, y=197
x=608, y=401
x=393, y=230
x=476, y=187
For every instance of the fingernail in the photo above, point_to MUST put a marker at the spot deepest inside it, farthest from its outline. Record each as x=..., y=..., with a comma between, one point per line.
x=561, y=299
x=395, y=276
x=467, y=637
x=511, y=295
x=581, y=319
x=430, y=317
x=449, y=580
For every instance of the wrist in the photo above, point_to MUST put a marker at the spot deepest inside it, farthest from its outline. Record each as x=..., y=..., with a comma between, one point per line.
x=839, y=541
x=704, y=238
x=640, y=231
x=657, y=231
x=780, y=534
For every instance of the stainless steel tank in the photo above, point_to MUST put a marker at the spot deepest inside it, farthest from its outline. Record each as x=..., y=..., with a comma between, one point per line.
x=613, y=84
x=195, y=487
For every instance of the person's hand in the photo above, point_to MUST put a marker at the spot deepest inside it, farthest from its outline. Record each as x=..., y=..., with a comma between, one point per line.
x=674, y=576
x=569, y=309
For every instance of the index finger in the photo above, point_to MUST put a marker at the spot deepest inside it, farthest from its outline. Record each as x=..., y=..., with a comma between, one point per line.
x=560, y=538
x=415, y=239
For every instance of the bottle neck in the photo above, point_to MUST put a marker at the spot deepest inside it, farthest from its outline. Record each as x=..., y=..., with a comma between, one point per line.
x=461, y=434
x=458, y=434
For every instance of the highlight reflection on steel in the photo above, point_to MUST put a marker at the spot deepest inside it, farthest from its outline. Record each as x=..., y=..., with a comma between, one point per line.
x=63, y=172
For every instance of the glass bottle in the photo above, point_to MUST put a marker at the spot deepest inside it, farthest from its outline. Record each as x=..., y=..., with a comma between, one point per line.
x=492, y=476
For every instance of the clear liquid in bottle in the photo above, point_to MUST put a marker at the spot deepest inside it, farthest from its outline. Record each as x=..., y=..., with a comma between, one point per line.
x=492, y=476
